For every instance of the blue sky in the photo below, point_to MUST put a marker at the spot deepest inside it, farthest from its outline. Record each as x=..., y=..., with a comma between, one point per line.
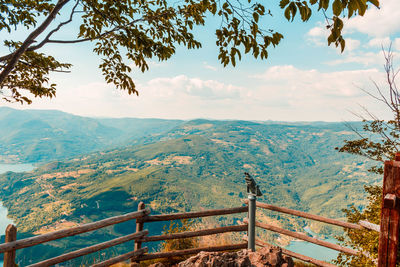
x=302, y=80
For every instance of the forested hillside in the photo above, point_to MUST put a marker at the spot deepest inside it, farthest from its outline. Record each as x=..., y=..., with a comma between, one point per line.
x=198, y=164
x=45, y=135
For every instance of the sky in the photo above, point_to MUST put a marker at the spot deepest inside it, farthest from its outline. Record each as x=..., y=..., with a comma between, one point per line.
x=303, y=78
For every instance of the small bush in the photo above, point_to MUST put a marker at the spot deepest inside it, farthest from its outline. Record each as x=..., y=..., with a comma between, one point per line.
x=218, y=239
x=175, y=244
x=179, y=244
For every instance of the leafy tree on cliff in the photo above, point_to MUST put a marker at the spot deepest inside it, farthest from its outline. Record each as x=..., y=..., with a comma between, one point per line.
x=379, y=141
x=132, y=31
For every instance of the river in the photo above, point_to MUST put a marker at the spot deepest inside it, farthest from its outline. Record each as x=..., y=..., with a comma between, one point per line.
x=4, y=220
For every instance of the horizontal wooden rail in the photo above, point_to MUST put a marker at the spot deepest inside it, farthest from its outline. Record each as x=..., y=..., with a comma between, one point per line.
x=35, y=240
x=225, y=229
x=307, y=215
x=121, y=258
x=370, y=226
x=306, y=238
x=196, y=214
x=88, y=250
x=297, y=255
x=190, y=251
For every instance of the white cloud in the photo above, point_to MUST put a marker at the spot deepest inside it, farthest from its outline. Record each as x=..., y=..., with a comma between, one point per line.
x=379, y=42
x=278, y=93
x=195, y=87
x=314, y=83
x=168, y=97
x=320, y=95
x=377, y=22
x=318, y=31
x=318, y=35
x=396, y=44
x=364, y=58
x=351, y=44
x=208, y=66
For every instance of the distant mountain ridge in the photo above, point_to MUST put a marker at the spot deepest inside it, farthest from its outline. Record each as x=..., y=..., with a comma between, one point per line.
x=45, y=135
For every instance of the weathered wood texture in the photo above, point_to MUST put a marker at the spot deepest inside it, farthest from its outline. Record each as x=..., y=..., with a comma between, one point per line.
x=307, y=215
x=9, y=257
x=306, y=238
x=190, y=251
x=197, y=214
x=88, y=250
x=390, y=215
x=121, y=258
x=370, y=226
x=31, y=241
x=225, y=229
x=297, y=255
x=139, y=227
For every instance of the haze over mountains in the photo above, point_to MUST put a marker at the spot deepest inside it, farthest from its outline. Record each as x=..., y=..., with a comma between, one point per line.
x=172, y=166
x=43, y=135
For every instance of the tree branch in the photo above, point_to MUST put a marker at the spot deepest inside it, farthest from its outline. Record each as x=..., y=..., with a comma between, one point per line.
x=48, y=69
x=94, y=38
x=45, y=40
x=30, y=39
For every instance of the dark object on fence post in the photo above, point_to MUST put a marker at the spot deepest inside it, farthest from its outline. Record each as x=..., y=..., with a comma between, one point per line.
x=390, y=214
x=139, y=228
x=253, y=192
x=9, y=257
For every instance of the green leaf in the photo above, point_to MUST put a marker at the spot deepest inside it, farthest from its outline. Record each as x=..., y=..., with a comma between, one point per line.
x=287, y=13
x=337, y=7
x=255, y=16
x=283, y=3
x=342, y=45
x=293, y=9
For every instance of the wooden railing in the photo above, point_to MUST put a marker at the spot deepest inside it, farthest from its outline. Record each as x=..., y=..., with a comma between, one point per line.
x=304, y=237
x=140, y=236
x=12, y=244
x=188, y=215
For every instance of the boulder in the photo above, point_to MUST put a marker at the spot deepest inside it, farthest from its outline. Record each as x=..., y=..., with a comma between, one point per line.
x=267, y=256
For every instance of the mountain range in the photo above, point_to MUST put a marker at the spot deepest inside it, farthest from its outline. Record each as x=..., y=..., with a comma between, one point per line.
x=45, y=135
x=174, y=166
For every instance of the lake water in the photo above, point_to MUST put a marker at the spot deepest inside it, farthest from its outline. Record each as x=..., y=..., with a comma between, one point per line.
x=4, y=220
x=16, y=167
x=313, y=250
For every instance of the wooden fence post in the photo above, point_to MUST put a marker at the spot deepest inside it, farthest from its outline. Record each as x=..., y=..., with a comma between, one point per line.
x=11, y=235
x=390, y=214
x=139, y=228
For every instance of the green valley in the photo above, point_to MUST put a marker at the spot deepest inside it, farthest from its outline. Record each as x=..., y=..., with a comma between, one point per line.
x=193, y=165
